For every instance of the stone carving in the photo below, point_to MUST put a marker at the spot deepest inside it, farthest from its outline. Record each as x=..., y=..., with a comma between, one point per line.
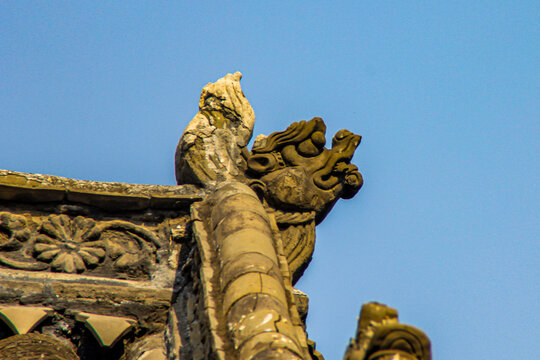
x=89, y=264
x=203, y=270
x=380, y=336
x=294, y=175
x=298, y=240
x=299, y=180
x=295, y=172
x=76, y=245
x=291, y=169
x=132, y=248
x=213, y=145
x=69, y=246
x=14, y=234
x=17, y=250
x=13, y=231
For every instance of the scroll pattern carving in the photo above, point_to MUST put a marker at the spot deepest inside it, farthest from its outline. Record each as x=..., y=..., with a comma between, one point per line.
x=13, y=231
x=79, y=245
x=298, y=173
x=129, y=245
x=380, y=336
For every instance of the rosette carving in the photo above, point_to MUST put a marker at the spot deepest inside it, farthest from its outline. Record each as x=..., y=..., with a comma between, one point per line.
x=75, y=245
x=69, y=245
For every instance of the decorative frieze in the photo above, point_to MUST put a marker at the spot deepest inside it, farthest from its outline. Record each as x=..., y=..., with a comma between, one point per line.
x=89, y=265
x=61, y=243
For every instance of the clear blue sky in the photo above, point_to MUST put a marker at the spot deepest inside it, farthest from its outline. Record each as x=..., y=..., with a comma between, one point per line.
x=445, y=93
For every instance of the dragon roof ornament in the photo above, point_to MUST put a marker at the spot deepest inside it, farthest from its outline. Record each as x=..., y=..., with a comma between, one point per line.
x=203, y=270
x=295, y=176
x=291, y=169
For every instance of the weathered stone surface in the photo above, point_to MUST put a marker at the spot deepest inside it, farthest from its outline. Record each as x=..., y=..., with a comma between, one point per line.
x=35, y=188
x=230, y=206
x=298, y=245
x=291, y=171
x=380, y=336
x=155, y=354
x=35, y=346
x=302, y=303
x=244, y=285
x=247, y=241
x=255, y=297
x=248, y=263
x=273, y=345
x=80, y=244
x=300, y=181
x=296, y=172
x=212, y=146
x=197, y=300
x=150, y=347
x=240, y=220
x=254, y=302
x=315, y=355
x=252, y=324
x=68, y=292
x=273, y=354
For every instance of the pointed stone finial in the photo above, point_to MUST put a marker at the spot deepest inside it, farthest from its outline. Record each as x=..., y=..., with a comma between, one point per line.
x=212, y=146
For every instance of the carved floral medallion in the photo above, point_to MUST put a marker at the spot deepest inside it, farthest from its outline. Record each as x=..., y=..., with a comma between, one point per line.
x=69, y=245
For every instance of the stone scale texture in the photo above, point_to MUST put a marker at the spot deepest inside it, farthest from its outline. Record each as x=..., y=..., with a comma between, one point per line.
x=202, y=270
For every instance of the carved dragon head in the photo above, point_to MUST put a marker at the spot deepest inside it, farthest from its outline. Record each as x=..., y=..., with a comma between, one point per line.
x=295, y=175
x=292, y=170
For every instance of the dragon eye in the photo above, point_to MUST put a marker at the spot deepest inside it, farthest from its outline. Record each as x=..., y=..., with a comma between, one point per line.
x=341, y=134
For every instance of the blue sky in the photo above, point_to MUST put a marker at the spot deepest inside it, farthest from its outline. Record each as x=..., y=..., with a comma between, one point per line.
x=445, y=93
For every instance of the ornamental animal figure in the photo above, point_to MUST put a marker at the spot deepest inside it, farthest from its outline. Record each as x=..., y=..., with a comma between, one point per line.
x=299, y=181
x=296, y=173
x=296, y=177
